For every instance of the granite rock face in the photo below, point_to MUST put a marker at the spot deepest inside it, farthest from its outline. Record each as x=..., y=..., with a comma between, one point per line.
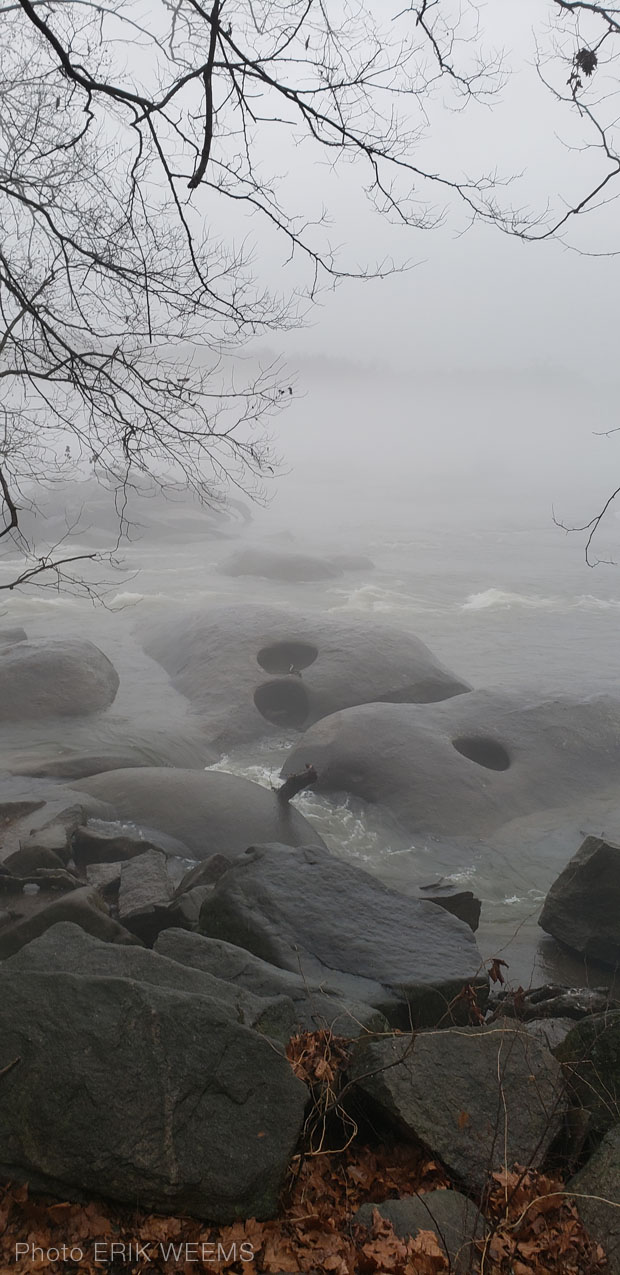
x=158, y=1100
x=315, y=1007
x=475, y=1097
x=67, y=949
x=582, y=908
x=307, y=911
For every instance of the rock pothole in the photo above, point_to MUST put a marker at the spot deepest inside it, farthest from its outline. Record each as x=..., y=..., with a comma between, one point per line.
x=281, y=658
x=283, y=702
x=484, y=752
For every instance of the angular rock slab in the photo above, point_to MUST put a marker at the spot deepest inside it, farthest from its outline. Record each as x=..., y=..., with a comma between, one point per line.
x=45, y=678
x=590, y=1055
x=476, y=1097
x=250, y=671
x=307, y=911
x=582, y=908
x=66, y=949
x=465, y=767
x=142, y=1094
x=314, y=1007
x=211, y=812
x=454, y=1218
x=31, y=916
x=597, y=1196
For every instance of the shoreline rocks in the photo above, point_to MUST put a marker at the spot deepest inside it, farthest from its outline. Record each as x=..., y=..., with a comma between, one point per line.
x=582, y=908
x=307, y=911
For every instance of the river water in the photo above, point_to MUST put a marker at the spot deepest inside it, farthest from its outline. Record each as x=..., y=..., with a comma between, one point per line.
x=511, y=606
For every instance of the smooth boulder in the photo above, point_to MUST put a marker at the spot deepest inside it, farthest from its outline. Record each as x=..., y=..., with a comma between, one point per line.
x=477, y=1098
x=70, y=677
x=146, y=1095
x=465, y=767
x=251, y=671
x=211, y=812
x=582, y=908
x=307, y=911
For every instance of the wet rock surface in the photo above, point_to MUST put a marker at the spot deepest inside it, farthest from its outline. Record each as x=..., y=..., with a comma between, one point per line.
x=307, y=911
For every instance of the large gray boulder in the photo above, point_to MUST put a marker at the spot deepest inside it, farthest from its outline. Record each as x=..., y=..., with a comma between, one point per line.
x=46, y=678
x=211, y=812
x=454, y=1218
x=477, y=1098
x=67, y=949
x=597, y=1196
x=315, y=1007
x=250, y=670
x=307, y=911
x=465, y=767
x=143, y=1094
x=582, y=908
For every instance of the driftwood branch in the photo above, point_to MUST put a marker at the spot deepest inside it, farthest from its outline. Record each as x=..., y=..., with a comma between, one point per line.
x=296, y=783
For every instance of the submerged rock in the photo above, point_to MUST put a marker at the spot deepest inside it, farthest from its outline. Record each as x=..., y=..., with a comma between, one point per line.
x=582, y=908
x=45, y=678
x=250, y=670
x=307, y=911
x=144, y=1094
x=209, y=811
x=477, y=1098
x=290, y=568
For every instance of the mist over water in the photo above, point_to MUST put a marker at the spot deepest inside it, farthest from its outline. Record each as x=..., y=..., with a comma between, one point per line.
x=467, y=558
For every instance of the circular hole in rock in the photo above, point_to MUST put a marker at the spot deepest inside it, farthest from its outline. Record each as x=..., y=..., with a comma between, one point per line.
x=485, y=752
x=283, y=703
x=286, y=657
